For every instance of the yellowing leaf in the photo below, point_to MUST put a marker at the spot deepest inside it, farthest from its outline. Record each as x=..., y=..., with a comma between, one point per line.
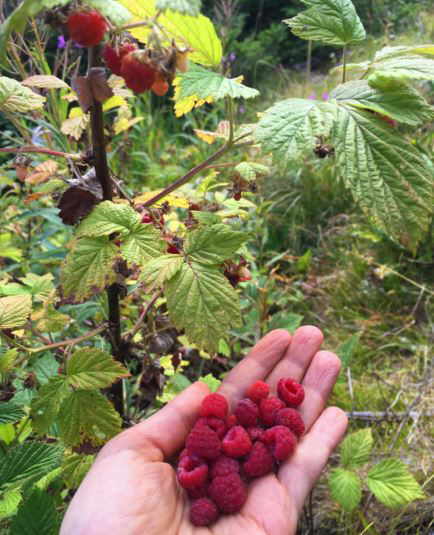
x=91, y=368
x=115, y=101
x=75, y=127
x=172, y=200
x=222, y=132
x=14, y=311
x=45, y=81
x=14, y=97
x=42, y=172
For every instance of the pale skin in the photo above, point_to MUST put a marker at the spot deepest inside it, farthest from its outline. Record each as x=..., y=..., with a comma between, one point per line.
x=131, y=490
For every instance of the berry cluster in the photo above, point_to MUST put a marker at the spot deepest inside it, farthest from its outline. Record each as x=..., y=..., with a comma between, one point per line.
x=224, y=451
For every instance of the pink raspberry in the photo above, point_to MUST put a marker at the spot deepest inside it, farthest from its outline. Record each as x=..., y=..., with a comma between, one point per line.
x=216, y=424
x=281, y=441
x=228, y=492
x=223, y=466
x=192, y=472
x=236, y=442
x=255, y=433
x=291, y=392
x=268, y=407
x=291, y=419
x=214, y=405
x=247, y=412
x=203, y=512
x=258, y=391
x=204, y=442
x=259, y=462
x=198, y=492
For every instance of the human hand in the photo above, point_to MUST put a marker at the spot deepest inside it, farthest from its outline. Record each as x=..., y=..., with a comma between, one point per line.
x=131, y=490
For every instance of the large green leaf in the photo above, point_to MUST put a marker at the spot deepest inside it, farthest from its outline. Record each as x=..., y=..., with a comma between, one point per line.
x=214, y=244
x=291, y=128
x=401, y=102
x=87, y=415
x=201, y=301
x=9, y=503
x=333, y=22
x=88, y=267
x=91, y=368
x=14, y=97
x=75, y=467
x=36, y=515
x=106, y=218
x=345, y=488
x=45, y=406
x=402, y=63
x=392, y=484
x=186, y=7
x=113, y=10
x=356, y=448
x=388, y=176
x=142, y=244
x=7, y=361
x=14, y=311
x=10, y=412
x=158, y=271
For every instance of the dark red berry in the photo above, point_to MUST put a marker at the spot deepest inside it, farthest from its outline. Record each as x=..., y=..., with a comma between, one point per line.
x=86, y=28
x=139, y=75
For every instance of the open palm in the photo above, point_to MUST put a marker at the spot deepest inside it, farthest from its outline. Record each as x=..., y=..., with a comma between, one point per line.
x=131, y=490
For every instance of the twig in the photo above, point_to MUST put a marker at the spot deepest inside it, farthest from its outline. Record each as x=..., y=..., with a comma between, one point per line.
x=130, y=334
x=378, y=416
x=42, y=150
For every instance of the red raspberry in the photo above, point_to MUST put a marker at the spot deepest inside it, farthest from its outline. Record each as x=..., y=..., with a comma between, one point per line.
x=204, y=442
x=172, y=249
x=223, y=466
x=247, y=412
x=228, y=492
x=214, y=405
x=259, y=462
x=258, y=391
x=237, y=442
x=160, y=87
x=198, y=492
x=281, y=441
x=268, y=407
x=192, y=472
x=291, y=392
x=139, y=76
x=231, y=421
x=113, y=57
x=217, y=425
x=255, y=433
x=86, y=28
x=146, y=218
x=290, y=418
x=203, y=512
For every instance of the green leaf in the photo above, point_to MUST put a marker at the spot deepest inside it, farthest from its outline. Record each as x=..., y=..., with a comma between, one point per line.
x=285, y=320
x=14, y=311
x=91, y=368
x=161, y=269
x=36, y=515
x=87, y=414
x=392, y=484
x=15, y=97
x=7, y=361
x=88, y=268
x=40, y=286
x=186, y=7
x=333, y=22
x=213, y=245
x=211, y=381
x=251, y=170
x=9, y=503
x=75, y=467
x=201, y=301
x=356, y=448
x=106, y=218
x=345, y=488
x=142, y=244
x=28, y=462
x=290, y=128
x=113, y=10
x=401, y=102
x=346, y=350
x=401, y=64
x=388, y=176
x=10, y=412
x=45, y=406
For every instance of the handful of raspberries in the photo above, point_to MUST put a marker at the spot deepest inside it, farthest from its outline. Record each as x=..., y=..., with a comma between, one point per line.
x=224, y=451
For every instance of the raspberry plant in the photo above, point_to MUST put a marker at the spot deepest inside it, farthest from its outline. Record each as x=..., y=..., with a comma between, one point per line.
x=179, y=254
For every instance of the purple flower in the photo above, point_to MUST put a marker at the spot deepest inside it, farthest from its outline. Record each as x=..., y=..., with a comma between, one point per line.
x=241, y=109
x=232, y=57
x=312, y=96
x=61, y=42
x=325, y=95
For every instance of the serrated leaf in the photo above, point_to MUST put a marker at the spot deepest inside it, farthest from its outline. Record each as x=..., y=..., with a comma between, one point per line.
x=211, y=381
x=401, y=64
x=87, y=415
x=88, y=268
x=197, y=33
x=14, y=97
x=291, y=128
x=346, y=350
x=41, y=286
x=7, y=360
x=392, y=484
x=45, y=406
x=113, y=10
x=44, y=482
x=10, y=412
x=186, y=7
x=28, y=462
x=36, y=515
x=14, y=311
x=333, y=22
x=91, y=368
x=75, y=467
x=213, y=245
x=9, y=503
x=75, y=126
x=142, y=244
x=356, y=448
x=108, y=217
x=251, y=170
x=400, y=102
x=388, y=176
x=45, y=81
x=161, y=269
x=201, y=301
x=345, y=488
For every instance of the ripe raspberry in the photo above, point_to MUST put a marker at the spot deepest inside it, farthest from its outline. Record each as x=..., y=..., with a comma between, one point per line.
x=217, y=425
x=258, y=391
x=139, y=76
x=255, y=433
x=113, y=57
x=146, y=218
x=172, y=249
x=291, y=392
x=268, y=407
x=223, y=466
x=198, y=492
x=228, y=492
x=281, y=441
x=237, y=442
x=214, y=405
x=290, y=418
x=247, y=412
x=192, y=472
x=259, y=462
x=204, y=442
x=231, y=421
x=203, y=512
x=86, y=28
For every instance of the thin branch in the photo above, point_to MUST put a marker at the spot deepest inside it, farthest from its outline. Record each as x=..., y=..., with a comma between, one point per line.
x=130, y=334
x=42, y=150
